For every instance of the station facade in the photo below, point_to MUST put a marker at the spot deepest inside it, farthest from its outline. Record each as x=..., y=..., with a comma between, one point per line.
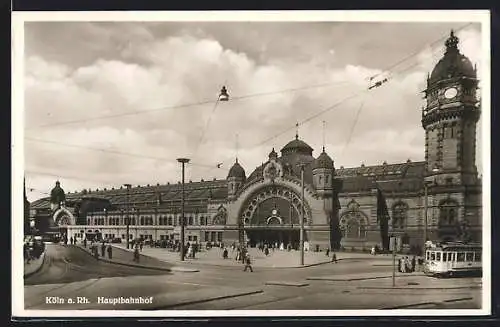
x=342, y=207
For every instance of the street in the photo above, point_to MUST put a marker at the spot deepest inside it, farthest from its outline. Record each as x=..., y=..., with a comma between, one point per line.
x=69, y=272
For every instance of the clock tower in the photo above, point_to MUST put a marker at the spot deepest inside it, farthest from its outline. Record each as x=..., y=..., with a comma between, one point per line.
x=450, y=117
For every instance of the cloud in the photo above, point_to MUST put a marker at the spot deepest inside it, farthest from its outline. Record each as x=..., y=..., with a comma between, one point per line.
x=190, y=68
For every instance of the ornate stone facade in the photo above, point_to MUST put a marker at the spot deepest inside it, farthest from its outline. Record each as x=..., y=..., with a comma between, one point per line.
x=340, y=205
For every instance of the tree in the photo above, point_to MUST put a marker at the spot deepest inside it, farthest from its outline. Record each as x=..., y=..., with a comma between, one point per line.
x=383, y=219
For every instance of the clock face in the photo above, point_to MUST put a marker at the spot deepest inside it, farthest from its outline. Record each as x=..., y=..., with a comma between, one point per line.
x=275, y=212
x=450, y=93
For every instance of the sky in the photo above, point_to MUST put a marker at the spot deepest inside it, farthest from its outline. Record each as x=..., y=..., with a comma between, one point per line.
x=118, y=102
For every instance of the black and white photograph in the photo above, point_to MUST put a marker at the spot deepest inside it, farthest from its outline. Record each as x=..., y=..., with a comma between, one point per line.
x=251, y=163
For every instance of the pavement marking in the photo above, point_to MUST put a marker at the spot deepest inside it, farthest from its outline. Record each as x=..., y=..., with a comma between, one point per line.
x=186, y=283
x=296, y=284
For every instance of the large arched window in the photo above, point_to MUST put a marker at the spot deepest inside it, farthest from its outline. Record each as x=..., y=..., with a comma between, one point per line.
x=448, y=212
x=399, y=215
x=353, y=222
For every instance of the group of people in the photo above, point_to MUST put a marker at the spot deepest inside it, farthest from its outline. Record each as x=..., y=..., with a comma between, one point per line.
x=406, y=265
x=33, y=250
x=94, y=249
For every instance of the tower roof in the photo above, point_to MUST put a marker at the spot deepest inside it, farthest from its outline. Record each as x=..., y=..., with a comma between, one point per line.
x=452, y=64
x=323, y=161
x=297, y=146
x=236, y=171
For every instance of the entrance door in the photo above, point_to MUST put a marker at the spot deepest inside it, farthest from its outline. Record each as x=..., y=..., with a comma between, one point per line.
x=273, y=236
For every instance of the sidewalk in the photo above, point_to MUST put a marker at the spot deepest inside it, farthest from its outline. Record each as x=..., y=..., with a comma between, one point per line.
x=34, y=266
x=125, y=257
x=276, y=259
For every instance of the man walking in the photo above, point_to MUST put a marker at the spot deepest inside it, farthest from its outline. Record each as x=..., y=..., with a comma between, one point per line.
x=110, y=252
x=248, y=263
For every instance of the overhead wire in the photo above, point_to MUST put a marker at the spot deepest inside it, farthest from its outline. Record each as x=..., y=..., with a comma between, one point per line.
x=243, y=97
x=109, y=151
x=414, y=54
x=145, y=111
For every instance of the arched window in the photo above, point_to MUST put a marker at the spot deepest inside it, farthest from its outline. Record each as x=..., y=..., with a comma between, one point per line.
x=399, y=215
x=353, y=225
x=448, y=212
x=190, y=220
x=170, y=220
x=142, y=220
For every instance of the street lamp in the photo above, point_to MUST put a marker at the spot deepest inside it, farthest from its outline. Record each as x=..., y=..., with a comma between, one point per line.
x=127, y=221
x=183, y=162
x=302, y=166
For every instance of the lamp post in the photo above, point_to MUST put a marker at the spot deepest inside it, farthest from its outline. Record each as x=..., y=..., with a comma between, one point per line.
x=302, y=166
x=105, y=217
x=183, y=162
x=127, y=220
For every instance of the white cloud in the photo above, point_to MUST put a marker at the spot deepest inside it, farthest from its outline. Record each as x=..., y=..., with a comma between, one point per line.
x=188, y=69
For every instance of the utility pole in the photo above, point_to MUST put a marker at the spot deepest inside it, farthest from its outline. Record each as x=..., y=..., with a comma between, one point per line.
x=127, y=221
x=302, y=166
x=183, y=161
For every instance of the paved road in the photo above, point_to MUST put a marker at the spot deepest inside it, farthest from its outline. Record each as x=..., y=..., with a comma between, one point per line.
x=70, y=273
x=70, y=264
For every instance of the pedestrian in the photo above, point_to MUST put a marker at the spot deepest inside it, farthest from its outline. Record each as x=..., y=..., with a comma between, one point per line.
x=224, y=254
x=328, y=252
x=413, y=263
x=110, y=252
x=266, y=251
x=248, y=263
x=141, y=245
x=136, y=253
x=85, y=242
x=103, y=249
x=71, y=240
x=334, y=258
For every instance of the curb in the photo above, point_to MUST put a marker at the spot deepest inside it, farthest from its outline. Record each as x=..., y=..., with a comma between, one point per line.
x=419, y=288
x=333, y=279
x=222, y=297
x=427, y=303
x=37, y=269
x=129, y=264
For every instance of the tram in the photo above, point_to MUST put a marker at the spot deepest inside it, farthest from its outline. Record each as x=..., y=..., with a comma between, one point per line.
x=453, y=259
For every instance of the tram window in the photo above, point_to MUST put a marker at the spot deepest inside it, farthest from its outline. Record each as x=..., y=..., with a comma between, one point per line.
x=427, y=255
x=469, y=256
x=477, y=256
x=433, y=256
x=445, y=256
x=460, y=256
x=450, y=256
x=438, y=256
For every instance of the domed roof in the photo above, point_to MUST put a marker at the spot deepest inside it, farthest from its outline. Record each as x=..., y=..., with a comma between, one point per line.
x=297, y=146
x=323, y=161
x=453, y=63
x=236, y=171
x=273, y=154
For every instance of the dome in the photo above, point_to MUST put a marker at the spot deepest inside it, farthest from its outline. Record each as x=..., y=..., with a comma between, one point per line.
x=236, y=171
x=297, y=146
x=323, y=161
x=273, y=154
x=453, y=63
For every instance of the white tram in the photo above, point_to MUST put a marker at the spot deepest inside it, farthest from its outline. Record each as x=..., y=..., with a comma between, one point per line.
x=451, y=259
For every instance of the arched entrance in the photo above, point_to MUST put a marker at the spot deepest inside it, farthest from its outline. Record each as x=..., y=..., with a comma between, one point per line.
x=62, y=219
x=271, y=215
